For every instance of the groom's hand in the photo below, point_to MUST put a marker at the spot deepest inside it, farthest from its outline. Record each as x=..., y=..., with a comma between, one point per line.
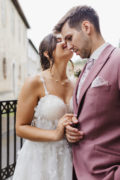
x=73, y=135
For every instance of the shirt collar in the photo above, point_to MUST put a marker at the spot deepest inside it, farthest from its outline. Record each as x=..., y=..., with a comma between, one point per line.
x=98, y=51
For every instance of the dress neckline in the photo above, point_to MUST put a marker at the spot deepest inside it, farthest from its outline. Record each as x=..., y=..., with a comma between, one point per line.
x=57, y=97
x=47, y=92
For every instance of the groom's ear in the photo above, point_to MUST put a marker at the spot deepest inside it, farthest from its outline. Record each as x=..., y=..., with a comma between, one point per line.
x=86, y=27
x=46, y=54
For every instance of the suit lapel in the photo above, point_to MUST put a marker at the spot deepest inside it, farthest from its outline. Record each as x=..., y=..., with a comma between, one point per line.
x=75, y=104
x=95, y=70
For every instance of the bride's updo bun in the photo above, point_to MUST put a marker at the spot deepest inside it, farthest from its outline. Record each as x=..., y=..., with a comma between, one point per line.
x=48, y=44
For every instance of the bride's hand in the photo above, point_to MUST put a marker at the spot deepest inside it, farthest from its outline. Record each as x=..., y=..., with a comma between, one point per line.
x=62, y=123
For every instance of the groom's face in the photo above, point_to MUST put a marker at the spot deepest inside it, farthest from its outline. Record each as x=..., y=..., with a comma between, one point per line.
x=77, y=41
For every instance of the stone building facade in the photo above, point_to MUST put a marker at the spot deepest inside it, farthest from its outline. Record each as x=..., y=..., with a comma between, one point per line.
x=13, y=49
x=33, y=64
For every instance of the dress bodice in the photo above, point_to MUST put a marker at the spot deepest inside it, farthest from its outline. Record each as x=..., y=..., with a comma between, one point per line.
x=49, y=110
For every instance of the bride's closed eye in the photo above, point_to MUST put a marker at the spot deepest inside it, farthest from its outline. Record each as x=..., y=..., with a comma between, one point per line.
x=59, y=40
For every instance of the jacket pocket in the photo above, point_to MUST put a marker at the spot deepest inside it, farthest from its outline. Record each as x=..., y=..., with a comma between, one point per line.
x=99, y=90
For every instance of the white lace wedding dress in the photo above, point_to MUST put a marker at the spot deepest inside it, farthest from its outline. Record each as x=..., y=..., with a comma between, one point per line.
x=46, y=160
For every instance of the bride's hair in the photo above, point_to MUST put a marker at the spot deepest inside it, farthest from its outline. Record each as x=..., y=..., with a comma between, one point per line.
x=48, y=44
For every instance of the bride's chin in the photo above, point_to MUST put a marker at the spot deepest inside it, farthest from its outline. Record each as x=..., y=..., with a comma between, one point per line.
x=70, y=54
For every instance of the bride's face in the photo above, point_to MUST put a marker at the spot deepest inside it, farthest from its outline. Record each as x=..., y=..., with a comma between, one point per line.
x=61, y=51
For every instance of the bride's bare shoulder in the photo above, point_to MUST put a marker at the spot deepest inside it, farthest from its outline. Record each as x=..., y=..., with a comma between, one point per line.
x=33, y=82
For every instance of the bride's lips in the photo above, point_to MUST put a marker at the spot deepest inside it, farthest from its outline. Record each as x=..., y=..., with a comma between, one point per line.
x=64, y=46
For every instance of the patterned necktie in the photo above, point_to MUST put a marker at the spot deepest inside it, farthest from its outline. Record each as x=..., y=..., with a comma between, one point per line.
x=89, y=64
x=84, y=75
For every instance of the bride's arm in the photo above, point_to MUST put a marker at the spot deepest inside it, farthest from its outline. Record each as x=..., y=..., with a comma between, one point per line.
x=27, y=101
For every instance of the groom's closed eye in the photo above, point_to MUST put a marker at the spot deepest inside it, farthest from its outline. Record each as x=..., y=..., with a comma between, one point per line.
x=68, y=38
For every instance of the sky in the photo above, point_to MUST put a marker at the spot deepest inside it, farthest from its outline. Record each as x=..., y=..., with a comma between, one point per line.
x=42, y=15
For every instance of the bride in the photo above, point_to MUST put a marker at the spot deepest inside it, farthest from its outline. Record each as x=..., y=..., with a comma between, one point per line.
x=44, y=109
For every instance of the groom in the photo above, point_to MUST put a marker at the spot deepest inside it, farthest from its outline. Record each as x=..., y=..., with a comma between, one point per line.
x=96, y=99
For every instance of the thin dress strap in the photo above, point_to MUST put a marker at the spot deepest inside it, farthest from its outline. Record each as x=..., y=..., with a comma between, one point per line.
x=46, y=91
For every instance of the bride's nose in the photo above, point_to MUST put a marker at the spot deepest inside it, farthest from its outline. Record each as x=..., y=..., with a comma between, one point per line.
x=64, y=44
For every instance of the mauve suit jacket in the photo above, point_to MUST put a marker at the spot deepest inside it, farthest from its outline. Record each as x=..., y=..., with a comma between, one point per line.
x=97, y=156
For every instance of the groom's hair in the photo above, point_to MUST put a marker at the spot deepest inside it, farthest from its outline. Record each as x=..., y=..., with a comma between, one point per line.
x=76, y=16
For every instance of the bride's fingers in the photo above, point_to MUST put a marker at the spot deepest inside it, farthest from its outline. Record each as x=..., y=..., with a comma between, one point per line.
x=66, y=119
x=74, y=138
x=74, y=120
x=74, y=134
x=67, y=123
x=69, y=116
x=70, y=129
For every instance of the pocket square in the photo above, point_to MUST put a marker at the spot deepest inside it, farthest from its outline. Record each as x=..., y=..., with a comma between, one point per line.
x=99, y=81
